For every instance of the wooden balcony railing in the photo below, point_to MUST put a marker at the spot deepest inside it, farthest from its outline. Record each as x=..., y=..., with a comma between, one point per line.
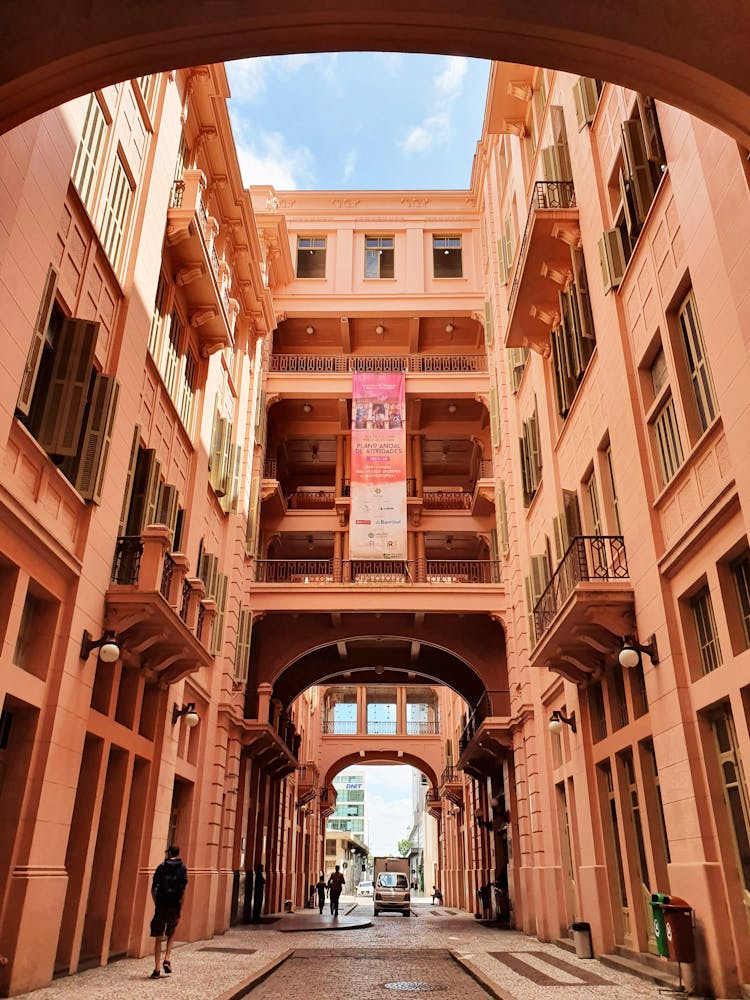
x=324, y=364
x=588, y=558
x=376, y=572
x=546, y=195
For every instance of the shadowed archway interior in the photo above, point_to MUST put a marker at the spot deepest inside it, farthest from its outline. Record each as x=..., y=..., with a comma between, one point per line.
x=686, y=52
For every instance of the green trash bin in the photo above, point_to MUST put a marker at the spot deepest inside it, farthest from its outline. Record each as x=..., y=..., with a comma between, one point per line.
x=658, y=901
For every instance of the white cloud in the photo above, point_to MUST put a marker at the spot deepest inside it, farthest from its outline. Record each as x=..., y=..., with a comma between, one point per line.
x=450, y=82
x=268, y=160
x=350, y=163
x=388, y=821
x=432, y=131
x=248, y=79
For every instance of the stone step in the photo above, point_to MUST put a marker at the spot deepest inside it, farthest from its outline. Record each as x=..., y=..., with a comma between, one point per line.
x=644, y=966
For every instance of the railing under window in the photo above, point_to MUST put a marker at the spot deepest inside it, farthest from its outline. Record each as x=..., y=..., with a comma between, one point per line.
x=127, y=562
x=312, y=500
x=166, y=576
x=339, y=727
x=588, y=558
x=422, y=728
x=447, y=500
x=381, y=728
x=450, y=775
x=346, y=363
x=477, y=716
x=546, y=195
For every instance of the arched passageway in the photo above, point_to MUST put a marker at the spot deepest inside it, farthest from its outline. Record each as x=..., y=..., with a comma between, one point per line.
x=686, y=52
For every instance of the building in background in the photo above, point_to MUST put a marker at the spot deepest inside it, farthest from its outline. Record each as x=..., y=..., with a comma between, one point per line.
x=560, y=646
x=351, y=804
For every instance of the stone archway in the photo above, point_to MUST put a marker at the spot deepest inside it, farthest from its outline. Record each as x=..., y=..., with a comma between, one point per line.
x=335, y=762
x=294, y=652
x=687, y=52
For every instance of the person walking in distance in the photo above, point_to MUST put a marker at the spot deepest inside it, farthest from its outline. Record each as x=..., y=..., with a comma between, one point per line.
x=335, y=885
x=167, y=889
x=320, y=886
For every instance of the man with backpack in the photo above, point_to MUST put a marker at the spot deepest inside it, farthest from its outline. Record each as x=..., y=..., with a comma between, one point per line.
x=167, y=889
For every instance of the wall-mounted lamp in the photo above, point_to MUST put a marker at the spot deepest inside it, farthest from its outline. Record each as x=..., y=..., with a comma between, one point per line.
x=485, y=824
x=558, y=720
x=380, y=329
x=449, y=328
x=307, y=407
x=309, y=329
x=187, y=712
x=630, y=654
x=452, y=407
x=109, y=651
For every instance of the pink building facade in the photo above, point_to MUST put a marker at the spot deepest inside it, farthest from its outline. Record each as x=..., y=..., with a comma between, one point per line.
x=175, y=419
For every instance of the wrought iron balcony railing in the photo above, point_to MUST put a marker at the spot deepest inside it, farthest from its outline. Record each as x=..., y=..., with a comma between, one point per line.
x=381, y=728
x=588, y=558
x=422, y=728
x=545, y=196
x=126, y=565
x=450, y=775
x=376, y=572
x=324, y=364
x=477, y=716
x=339, y=727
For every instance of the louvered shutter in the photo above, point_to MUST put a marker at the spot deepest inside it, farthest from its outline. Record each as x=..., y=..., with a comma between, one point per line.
x=488, y=327
x=638, y=167
x=564, y=397
x=151, y=491
x=215, y=429
x=33, y=360
x=583, y=296
x=558, y=534
x=128, y=491
x=612, y=258
x=586, y=97
x=97, y=437
x=502, y=517
x=217, y=637
x=651, y=130
x=509, y=250
x=242, y=652
x=502, y=267
x=494, y=416
x=530, y=605
x=168, y=507
x=536, y=446
x=556, y=163
x=628, y=209
x=218, y=459
x=62, y=418
x=230, y=501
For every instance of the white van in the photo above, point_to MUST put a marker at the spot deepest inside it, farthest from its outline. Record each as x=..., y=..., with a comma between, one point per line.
x=392, y=892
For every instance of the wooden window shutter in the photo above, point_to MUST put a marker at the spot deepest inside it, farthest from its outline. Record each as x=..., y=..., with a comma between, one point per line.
x=218, y=459
x=536, y=444
x=509, y=249
x=242, y=651
x=151, y=491
x=572, y=512
x=129, y=479
x=168, y=506
x=638, y=167
x=524, y=468
x=651, y=130
x=530, y=605
x=559, y=534
x=488, y=327
x=97, y=437
x=561, y=378
x=586, y=97
x=494, y=416
x=582, y=293
x=612, y=258
x=215, y=428
x=502, y=517
x=60, y=426
x=222, y=581
x=231, y=499
x=34, y=357
x=502, y=267
x=628, y=209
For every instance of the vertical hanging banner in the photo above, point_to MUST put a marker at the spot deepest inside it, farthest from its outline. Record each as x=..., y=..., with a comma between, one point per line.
x=377, y=524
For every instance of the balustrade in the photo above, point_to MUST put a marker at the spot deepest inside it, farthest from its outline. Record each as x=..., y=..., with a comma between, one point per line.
x=422, y=728
x=447, y=500
x=127, y=562
x=378, y=571
x=324, y=364
x=166, y=576
x=587, y=558
x=339, y=727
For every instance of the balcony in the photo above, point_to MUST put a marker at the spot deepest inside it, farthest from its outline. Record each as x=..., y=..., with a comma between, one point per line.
x=275, y=748
x=205, y=279
x=585, y=609
x=376, y=572
x=543, y=265
x=452, y=785
x=308, y=783
x=433, y=803
x=485, y=740
x=163, y=623
x=342, y=364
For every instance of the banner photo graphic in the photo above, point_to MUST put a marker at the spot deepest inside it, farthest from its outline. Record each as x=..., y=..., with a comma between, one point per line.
x=377, y=523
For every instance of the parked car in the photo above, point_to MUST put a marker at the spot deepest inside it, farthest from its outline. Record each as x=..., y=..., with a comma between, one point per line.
x=365, y=889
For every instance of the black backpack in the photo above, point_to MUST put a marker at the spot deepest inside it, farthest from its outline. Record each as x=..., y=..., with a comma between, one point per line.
x=172, y=880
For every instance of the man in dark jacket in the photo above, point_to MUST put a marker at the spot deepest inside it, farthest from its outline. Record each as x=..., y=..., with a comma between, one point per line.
x=167, y=889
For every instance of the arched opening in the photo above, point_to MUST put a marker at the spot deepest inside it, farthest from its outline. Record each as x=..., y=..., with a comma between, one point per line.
x=686, y=53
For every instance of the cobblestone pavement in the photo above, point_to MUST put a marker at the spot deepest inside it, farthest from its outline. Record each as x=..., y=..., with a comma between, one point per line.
x=356, y=964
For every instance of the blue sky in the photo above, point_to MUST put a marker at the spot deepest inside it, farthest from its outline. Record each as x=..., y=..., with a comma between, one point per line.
x=357, y=120
x=388, y=810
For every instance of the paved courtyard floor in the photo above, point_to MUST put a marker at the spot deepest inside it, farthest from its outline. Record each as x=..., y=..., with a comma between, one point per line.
x=434, y=951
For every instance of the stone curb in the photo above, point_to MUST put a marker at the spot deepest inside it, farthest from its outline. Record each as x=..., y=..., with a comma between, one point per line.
x=244, y=986
x=481, y=978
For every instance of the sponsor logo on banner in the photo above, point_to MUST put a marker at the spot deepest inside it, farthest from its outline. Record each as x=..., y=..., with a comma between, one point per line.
x=378, y=466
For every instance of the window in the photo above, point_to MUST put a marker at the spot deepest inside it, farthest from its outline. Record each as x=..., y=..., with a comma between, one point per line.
x=667, y=439
x=517, y=358
x=188, y=387
x=643, y=163
x=705, y=627
x=116, y=211
x=741, y=576
x=65, y=403
x=89, y=152
x=592, y=503
x=172, y=352
x=446, y=257
x=506, y=249
x=531, y=457
x=573, y=339
x=378, y=256
x=735, y=791
x=613, y=489
x=695, y=355
x=311, y=257
x=157, y=318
